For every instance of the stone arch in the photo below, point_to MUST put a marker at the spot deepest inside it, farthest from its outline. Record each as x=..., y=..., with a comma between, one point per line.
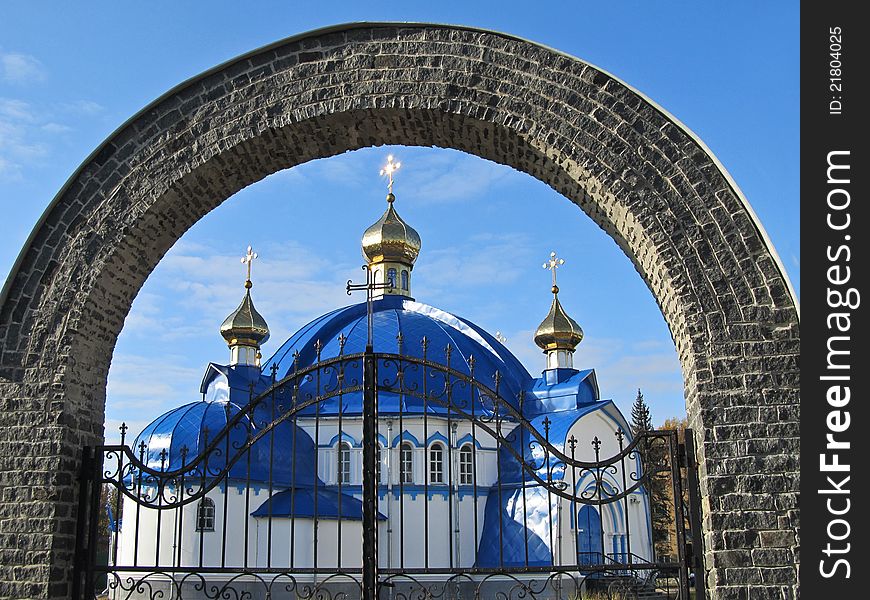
x=636, y=171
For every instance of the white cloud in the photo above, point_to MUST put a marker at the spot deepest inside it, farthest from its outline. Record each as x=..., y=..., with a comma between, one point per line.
x=16, y=110
x=29, y=133
x=9, y=171
x=469, y=265
x=140, y=388
x=55, y=128
x=83, y=107
x=196, y=287
x=17, y=144
x=453, y=177
x=20, y=68
x=425, y=177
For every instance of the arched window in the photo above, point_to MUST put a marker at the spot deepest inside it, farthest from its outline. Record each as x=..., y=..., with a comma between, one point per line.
x=466, y=465
x=406, y=463
x=436, y=463
x=404, y=280
x=343, y=465
x=205, y=515
x=391, y=277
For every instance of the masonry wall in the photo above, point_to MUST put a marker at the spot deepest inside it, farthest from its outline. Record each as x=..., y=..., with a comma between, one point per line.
x=638, y=174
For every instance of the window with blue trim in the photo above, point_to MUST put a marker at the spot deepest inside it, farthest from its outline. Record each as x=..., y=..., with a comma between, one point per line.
x=406, y=463
x=404, y=280
x=436, y=463
x=343, y=469
x=391, y=277
x=466, y=465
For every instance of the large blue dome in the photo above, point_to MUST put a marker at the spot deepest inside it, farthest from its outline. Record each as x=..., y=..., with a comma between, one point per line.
x=395, y=315
x=192, y=426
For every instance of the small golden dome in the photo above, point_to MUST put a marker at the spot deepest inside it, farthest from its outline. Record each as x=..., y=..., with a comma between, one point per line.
x=390, y=239
x=558, y=331
x=245, y=326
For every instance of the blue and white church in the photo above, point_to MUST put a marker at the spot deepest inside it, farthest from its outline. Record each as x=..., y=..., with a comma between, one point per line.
x=449, y=495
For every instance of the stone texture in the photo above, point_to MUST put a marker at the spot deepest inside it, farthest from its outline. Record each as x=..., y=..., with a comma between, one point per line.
x=641, y=177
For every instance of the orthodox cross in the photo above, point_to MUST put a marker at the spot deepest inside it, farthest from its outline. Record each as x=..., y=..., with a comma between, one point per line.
x=388, y=170
x=369, y=286
x=554, y=263
x=247, y=259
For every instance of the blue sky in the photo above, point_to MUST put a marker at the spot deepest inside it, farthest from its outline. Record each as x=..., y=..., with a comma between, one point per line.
x=71, y=73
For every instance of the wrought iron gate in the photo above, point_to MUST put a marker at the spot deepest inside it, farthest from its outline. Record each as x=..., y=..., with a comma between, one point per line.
x=492, y=502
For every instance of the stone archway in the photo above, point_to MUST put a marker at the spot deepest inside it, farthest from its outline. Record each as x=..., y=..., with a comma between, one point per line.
x=632, y=168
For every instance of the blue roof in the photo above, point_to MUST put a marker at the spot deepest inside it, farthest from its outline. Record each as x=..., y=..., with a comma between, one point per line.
x=190, y=428
x=235, y=382
x=517, y=517
x=561, y=389
x=394, y=315
x=299, y=503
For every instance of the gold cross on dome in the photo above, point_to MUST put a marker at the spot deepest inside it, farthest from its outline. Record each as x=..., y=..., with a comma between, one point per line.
x=247, y=259
x=554, y=263
x=390, y=168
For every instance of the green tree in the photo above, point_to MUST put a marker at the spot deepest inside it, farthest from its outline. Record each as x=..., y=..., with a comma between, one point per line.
x=654, y=456
x=641, y=420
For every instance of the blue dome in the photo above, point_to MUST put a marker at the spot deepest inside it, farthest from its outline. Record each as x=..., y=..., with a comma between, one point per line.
x=183, y=433
x=392, y=316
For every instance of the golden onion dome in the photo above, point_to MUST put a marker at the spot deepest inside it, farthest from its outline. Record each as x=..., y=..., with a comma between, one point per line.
x=245, y=326
x=390, y=239
x=558, y=331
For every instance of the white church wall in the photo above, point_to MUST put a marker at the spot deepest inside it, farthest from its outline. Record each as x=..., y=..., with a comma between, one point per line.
x=301, y=532
x=621, y=534
x=418, y=514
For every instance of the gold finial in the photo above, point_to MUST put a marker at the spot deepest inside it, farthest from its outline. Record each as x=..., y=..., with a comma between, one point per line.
x=388, y=170
x=554, y=263
x=247, y=259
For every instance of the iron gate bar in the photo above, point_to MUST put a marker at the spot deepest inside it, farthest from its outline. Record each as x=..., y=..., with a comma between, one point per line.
x=370, y=490
x=474, y=464
x=620, y=438
x=96, y=466
x=318, y=348
x=401, y=379
x=426, y=466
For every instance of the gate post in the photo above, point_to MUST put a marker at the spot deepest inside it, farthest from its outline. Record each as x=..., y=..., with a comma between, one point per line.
x=370, y=484
x=695, y=516
x=86, y=523
x=679, y=515
x=80, y=564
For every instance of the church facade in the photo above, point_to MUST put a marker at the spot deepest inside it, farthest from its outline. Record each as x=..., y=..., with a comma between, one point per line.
x=451, y=494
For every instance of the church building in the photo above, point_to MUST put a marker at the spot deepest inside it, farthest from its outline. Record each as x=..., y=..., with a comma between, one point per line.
x=450, y=494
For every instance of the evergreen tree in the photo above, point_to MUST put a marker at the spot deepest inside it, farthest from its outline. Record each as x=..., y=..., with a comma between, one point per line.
x=641, y=420
x=655, y=461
